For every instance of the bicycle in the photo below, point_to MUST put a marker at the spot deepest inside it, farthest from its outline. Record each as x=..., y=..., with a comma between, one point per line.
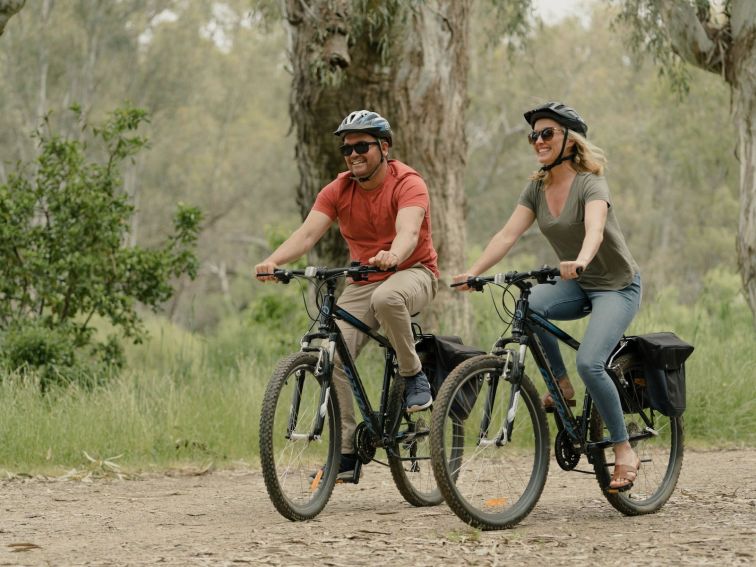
x=490, y=436
x=300, y=418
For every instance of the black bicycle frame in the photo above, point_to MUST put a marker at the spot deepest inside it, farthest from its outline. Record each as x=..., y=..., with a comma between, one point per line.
x=524, y=334
x=329, y=332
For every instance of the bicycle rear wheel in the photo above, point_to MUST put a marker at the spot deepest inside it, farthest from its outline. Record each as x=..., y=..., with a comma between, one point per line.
x=487, y=484
x=299, y=470
x=661, y=454
x=409, y=456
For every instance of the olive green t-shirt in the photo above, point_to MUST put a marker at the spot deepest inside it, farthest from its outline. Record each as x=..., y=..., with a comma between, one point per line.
x=613, y=266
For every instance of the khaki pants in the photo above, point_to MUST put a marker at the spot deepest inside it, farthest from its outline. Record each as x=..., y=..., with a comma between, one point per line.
x=387, y=304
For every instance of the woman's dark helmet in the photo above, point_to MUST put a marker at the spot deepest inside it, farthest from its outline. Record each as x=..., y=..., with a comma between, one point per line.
x=368, y=122
x=564, y=116
x=560, y=113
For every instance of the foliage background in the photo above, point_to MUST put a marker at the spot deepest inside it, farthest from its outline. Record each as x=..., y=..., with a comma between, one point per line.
x=214, y=77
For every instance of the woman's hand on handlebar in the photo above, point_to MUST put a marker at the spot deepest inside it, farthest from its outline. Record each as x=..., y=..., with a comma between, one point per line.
x=572, y=269
x=266, y=267
x=462, y=278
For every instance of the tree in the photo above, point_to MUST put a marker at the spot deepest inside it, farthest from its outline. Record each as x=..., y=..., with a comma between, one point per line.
x=719, y=37
x=63, y=227
x=7, y=9
x=217, y=133
x=406, y=60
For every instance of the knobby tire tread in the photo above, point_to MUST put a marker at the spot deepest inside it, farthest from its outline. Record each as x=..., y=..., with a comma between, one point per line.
x=267, y=458
x=398, y=473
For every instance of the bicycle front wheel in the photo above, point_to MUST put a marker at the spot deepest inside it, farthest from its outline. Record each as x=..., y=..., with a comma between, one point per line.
x=490, y=478
x=409, y=456
x=299, y=466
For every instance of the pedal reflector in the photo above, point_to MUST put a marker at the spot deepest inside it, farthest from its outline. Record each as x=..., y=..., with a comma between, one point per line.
x=316, y=480
x=495, y=502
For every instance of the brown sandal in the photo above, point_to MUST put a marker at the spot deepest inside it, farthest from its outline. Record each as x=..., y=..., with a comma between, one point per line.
x=626, y=474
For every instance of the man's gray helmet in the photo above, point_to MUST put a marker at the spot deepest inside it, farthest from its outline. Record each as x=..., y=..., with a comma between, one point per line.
x=366, y=121
x=559, y=112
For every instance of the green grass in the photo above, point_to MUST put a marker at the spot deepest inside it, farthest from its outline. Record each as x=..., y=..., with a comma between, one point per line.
x=194, y=401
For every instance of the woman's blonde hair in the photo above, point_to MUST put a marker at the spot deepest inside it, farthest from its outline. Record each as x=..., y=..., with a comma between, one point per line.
x=589, y=158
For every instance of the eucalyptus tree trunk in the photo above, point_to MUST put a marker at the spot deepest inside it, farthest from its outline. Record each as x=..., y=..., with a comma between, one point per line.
x=407, y=61
x=722, y=40
x=7, y=9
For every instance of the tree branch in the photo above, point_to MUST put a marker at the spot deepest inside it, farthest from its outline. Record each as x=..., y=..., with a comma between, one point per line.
x=689, y=36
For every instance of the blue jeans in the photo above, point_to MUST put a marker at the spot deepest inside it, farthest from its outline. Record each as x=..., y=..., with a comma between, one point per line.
x=611, y=313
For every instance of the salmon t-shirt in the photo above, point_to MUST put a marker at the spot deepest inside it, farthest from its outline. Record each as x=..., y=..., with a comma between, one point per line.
x=367, y=219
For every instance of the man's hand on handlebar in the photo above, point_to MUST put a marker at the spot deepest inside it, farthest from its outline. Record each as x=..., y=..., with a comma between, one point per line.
x=384, y=260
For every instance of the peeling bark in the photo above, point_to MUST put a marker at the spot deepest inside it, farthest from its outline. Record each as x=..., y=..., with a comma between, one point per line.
x=728, y=49
x=412, y=69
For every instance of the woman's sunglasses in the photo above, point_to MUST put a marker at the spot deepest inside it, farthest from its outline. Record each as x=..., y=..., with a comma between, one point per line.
x=359, y=147
x=546, y=134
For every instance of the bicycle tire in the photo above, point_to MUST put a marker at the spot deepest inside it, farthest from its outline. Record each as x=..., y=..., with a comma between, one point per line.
x=409, y=455
x=299, y=473
x=661, y=455
x=488, y=486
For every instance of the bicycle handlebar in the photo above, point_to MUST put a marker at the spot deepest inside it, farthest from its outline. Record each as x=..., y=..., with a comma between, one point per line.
x=542, y=275
x=358, y=272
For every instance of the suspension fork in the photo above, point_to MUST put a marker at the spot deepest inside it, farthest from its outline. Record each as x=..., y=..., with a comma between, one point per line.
x=507, y=370
x=510, y=372
x=517, y=371
x=324, y=371
x=295, y=403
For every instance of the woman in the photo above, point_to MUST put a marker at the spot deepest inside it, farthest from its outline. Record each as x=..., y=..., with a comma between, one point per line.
x=570, y=199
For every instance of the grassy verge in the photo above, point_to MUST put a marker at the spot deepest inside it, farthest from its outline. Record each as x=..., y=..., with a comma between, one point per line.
x=195, y=401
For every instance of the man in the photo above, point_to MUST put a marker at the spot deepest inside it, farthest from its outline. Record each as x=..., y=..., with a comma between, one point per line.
x=383, y=210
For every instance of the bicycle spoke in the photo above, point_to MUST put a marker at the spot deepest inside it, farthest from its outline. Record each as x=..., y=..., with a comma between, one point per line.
x=290, y=458
x=488, y=485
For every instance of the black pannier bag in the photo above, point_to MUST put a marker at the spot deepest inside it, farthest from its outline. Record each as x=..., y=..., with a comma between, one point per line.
x=439, y=355
x=650, y=372
x=664, y=356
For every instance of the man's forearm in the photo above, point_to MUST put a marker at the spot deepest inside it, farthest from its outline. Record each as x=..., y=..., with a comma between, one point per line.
x=293, y=248
x=404, y=245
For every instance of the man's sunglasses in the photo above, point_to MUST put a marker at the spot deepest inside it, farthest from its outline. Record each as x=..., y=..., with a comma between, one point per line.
x=359, y=147
x=546, y=134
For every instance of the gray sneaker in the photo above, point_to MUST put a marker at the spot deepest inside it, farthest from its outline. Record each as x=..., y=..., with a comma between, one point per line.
x=417, y=392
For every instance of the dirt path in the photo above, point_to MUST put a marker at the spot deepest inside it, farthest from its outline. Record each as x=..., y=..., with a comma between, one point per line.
x=225, y=518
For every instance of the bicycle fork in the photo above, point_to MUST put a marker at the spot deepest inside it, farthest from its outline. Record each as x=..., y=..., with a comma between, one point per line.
x=504, y=435
x=323, y=368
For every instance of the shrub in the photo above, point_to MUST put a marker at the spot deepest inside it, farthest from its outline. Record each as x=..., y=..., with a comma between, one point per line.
x=63, y=227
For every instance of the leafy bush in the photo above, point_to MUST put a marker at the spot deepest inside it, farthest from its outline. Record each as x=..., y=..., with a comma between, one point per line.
x=63, y=229
x=36, y=346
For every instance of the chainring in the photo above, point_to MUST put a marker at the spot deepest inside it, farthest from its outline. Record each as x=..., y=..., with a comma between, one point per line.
x=363, y=443
x=566, y=455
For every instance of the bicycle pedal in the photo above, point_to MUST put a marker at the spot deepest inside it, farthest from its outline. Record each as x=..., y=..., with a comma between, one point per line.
x=353, y=478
